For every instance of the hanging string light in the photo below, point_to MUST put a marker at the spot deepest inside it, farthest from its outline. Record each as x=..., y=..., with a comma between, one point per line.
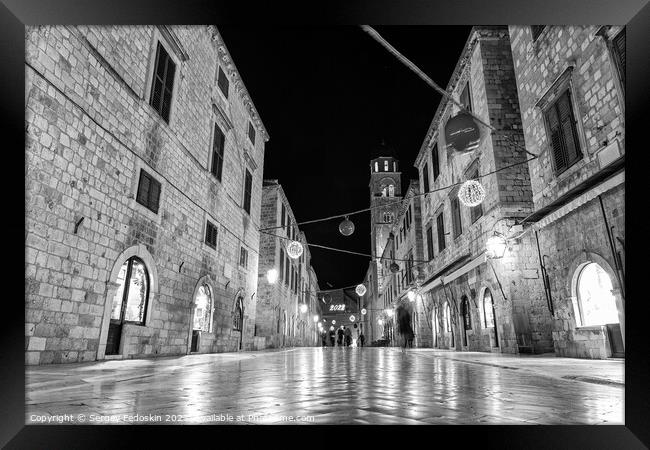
x=471, y=193
x=346, y=227
x=360, y=290
x=294, y=249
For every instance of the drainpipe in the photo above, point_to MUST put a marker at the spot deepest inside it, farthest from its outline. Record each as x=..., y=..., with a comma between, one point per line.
x=545, y=281
x=619, y=274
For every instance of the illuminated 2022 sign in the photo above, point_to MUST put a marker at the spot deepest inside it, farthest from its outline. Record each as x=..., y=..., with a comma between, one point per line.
x=337, y=307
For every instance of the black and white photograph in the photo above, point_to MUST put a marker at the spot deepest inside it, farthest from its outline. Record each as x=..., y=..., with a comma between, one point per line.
x=310, y=224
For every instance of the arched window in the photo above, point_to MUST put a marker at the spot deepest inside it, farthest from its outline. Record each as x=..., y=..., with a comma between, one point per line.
x=467, y=318
x=385, y=165
x=203, y=309
x=132, y=296
x=486, y=309
x=237, y=319
x=384, y=192
x=596, y=304
x=391, y=190
x=376, y=166
x=446, y=318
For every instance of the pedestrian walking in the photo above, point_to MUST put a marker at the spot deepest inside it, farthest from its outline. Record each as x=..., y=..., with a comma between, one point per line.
x=404, y=326
x=340, y=333
x=361, y=339
x=348, y=336
x=332, y=337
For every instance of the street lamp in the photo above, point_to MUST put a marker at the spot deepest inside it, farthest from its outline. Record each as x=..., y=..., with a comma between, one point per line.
x=496, y=246
x=272, y=276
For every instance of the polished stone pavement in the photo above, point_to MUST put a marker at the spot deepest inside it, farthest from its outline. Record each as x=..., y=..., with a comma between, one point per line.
x=330, y=386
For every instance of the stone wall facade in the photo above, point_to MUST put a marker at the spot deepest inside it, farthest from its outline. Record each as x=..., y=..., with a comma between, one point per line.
x=583, y=61
x=90, y=132
x=459, y=280
x=280, y=320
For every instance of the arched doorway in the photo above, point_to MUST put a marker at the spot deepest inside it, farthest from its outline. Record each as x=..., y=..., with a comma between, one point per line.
x=596, y=304
x=434, y=326
x=202, y=316
x=488, y=316
x=446, y=318
x=130, y=302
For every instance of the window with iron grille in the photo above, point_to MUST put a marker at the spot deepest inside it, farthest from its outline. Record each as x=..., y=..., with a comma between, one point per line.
x=248, y=184
x=455, y=216
x=243, y=257
x=162, y=85
x=465, y=97
x=536, y=30
x=563, y=137
x=251, y=133
x=211, y=235
x=148, y=191
x=425, y=178
x=218, y=142
x=223, y=83
x=440, y=225
x=430, y=242
x=436, y=162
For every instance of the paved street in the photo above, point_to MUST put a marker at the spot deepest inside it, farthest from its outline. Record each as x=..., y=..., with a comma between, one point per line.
x=331, y=386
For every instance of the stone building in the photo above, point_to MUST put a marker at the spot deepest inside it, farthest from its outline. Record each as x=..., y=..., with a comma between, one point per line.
x=470, y=302
x=385, y=198
x=571, y=92
x=281, y=320
x=405, y=248
x=144, y=158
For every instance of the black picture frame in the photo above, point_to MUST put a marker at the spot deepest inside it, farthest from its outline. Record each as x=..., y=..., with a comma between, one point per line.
x=15, y=14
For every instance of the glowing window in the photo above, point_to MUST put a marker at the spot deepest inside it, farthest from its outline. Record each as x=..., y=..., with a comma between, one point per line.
x=596, y=304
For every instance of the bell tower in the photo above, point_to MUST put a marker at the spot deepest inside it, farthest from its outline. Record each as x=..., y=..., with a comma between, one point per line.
x=385, y=197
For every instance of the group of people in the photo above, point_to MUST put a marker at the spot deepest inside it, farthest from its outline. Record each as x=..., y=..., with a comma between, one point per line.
x=342, y=337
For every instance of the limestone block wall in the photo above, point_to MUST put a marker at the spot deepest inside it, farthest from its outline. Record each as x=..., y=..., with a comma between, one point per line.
x=89, y=132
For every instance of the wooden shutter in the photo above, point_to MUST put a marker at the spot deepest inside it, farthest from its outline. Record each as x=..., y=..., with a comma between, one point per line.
x=455, y=215
x=169, y=86
x=283, y=221
x=430, y=242
x=247, y=191
x=158, y=77
x=218, y=142
x=222, y=82
x=143, y=188
x=559, y=152
x=569, y=132
x=163, y=82
x=436, y=163
x=154, y=196
x=441, y=232
x=619, y=48
x=281, y=264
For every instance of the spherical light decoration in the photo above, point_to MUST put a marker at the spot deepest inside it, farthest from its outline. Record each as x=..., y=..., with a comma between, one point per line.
x=364, y=311
x=462, y=133
x=471, y=193
x=411, y=296
x=360, y=290
x=352, y=318
x=346, y=227
x=272, y=276
x=294, y=249
x=394, y=267
x=303, y=308
x=333, y=321
x=331, y=328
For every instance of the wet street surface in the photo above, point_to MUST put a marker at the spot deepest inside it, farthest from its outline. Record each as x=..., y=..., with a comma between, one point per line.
x=329, y=386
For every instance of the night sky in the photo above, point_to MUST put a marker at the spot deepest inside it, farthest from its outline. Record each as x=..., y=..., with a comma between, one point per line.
x=328, y=96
